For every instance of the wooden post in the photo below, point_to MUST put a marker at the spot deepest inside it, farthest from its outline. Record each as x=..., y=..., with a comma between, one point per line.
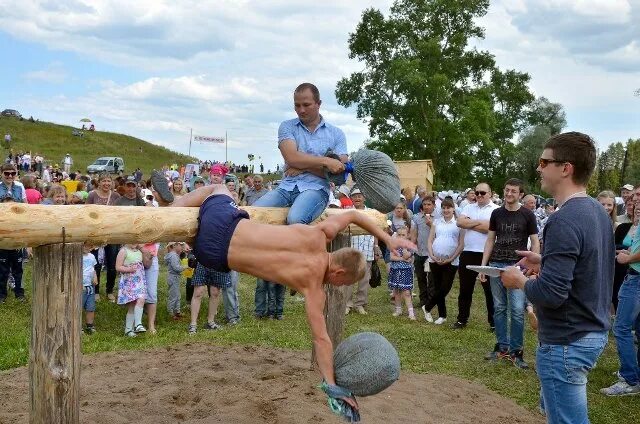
x=336, y=303
x=54, y=363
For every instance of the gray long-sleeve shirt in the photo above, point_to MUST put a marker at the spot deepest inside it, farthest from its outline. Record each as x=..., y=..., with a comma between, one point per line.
x=172, y=259
x=572, y=294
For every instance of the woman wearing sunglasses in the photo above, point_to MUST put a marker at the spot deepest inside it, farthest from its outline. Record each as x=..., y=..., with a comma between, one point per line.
x=11, y=260
x=8, y=186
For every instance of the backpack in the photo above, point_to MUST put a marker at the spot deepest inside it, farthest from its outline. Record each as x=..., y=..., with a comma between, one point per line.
x=376, y=277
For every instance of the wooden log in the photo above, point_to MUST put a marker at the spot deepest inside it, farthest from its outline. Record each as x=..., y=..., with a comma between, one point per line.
x=54, y=359
x=336, y=303
x=24, y=225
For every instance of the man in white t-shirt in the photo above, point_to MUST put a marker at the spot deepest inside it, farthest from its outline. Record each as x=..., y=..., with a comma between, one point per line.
x=368, y=245
x=26, y=162
x=475, y=219
x=67, y=162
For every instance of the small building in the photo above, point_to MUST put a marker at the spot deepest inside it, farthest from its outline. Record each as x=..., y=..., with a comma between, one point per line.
x=416, y=172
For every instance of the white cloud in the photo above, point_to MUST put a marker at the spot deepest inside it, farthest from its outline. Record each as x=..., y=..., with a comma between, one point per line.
x=601, y=33
x=54, y=73
x=233, y=64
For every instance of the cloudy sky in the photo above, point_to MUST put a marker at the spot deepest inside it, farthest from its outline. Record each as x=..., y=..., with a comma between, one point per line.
x=156, y=69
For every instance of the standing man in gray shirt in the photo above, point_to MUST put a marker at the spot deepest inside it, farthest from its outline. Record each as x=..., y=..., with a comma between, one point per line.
x=571, y=286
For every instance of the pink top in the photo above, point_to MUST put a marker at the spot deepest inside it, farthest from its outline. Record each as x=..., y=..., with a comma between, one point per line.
x=152, y=248
x=33, y=196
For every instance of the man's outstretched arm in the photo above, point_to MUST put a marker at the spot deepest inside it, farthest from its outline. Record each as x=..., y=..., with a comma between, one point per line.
x=333, y=225
x=314, y=305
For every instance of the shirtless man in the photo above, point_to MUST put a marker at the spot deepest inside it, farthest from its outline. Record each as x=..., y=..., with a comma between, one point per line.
x=227, y=239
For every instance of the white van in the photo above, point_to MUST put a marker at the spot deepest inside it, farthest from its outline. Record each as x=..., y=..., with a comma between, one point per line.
x=110, y=164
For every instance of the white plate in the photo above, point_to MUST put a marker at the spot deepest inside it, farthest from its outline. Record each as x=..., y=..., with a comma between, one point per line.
x=489, y=271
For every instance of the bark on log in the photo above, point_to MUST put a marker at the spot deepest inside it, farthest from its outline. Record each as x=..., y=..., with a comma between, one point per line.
x=336, y=303
x=54, y=359
x=24, y=225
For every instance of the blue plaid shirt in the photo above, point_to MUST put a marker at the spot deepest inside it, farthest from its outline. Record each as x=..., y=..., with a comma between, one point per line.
x=325, y=136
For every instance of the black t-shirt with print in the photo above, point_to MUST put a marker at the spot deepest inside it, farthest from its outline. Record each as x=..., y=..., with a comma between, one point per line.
x=512, y=229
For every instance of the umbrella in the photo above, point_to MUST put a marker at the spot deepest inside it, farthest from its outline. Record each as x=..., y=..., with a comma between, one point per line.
x=85, y=120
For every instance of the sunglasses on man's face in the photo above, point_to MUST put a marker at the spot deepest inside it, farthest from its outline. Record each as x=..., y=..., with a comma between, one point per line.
x=480, y=193
x=10, y=173
x=545, y=162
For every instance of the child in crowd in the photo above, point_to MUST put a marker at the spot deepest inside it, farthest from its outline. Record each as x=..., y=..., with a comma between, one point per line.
x=151, y=272
x=401, y=276
x=188, y=261
x=174, y=275
x=89, y=282
x=214, y=281
x=57, y=195
x=132, y=288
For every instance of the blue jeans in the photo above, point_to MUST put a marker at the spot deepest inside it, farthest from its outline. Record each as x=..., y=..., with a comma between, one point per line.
x=305, y=206
x=628, y=318
x=269, y=298
x=514, y=299
x=230, y=299
x=563, y=371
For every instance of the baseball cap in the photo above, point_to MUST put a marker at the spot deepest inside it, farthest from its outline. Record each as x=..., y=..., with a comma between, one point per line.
x=344, y=190
x=130, y=180
x=627, y=187
x=198, y=180
x=355, y=190
x=146, y=192
x=336, y=203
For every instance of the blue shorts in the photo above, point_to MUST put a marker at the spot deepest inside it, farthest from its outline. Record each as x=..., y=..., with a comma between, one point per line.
x=219, y=216
x=208, y=277
x=88, y=299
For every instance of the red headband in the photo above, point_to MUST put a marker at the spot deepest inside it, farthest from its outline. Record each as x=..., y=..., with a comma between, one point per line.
x=219, y=169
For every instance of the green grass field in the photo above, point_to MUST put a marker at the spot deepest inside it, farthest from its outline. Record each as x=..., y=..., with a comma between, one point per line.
x=423, y=348
x=54, y=141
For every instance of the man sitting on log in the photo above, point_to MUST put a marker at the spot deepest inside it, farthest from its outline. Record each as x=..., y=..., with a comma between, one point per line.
x=294, y=255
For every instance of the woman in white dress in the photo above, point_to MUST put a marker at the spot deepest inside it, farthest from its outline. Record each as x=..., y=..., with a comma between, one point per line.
x=445, y=243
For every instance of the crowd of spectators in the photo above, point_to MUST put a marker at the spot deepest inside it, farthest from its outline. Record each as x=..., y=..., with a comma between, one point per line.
x=452, y=230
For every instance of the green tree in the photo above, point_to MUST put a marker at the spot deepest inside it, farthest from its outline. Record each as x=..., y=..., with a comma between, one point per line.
x=609, y=165
x=545, y=119
x=542, y=112
x=632, y=165
x=427, y=95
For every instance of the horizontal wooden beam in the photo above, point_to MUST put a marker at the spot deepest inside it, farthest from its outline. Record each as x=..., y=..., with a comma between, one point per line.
x=23, y=225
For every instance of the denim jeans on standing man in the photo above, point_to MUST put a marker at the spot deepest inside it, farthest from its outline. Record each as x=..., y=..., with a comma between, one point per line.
x=563, y=370
x=269, y=299
x=628, y=319
x=230, y=299
x=507, y=302
x=305, y=206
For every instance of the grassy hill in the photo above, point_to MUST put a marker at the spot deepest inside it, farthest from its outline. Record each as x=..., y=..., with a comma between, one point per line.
x=53, y=141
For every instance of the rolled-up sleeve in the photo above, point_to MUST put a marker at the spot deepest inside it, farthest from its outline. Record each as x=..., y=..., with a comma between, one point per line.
x=551, y=288
x=286, y=132
x=340, y=142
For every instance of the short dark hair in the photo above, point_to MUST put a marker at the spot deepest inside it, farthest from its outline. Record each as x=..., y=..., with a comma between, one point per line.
x=427, y=199
x=308, y=86
x=515, y=182
x=8, y=167
x=576, y=148
x=448, y=202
